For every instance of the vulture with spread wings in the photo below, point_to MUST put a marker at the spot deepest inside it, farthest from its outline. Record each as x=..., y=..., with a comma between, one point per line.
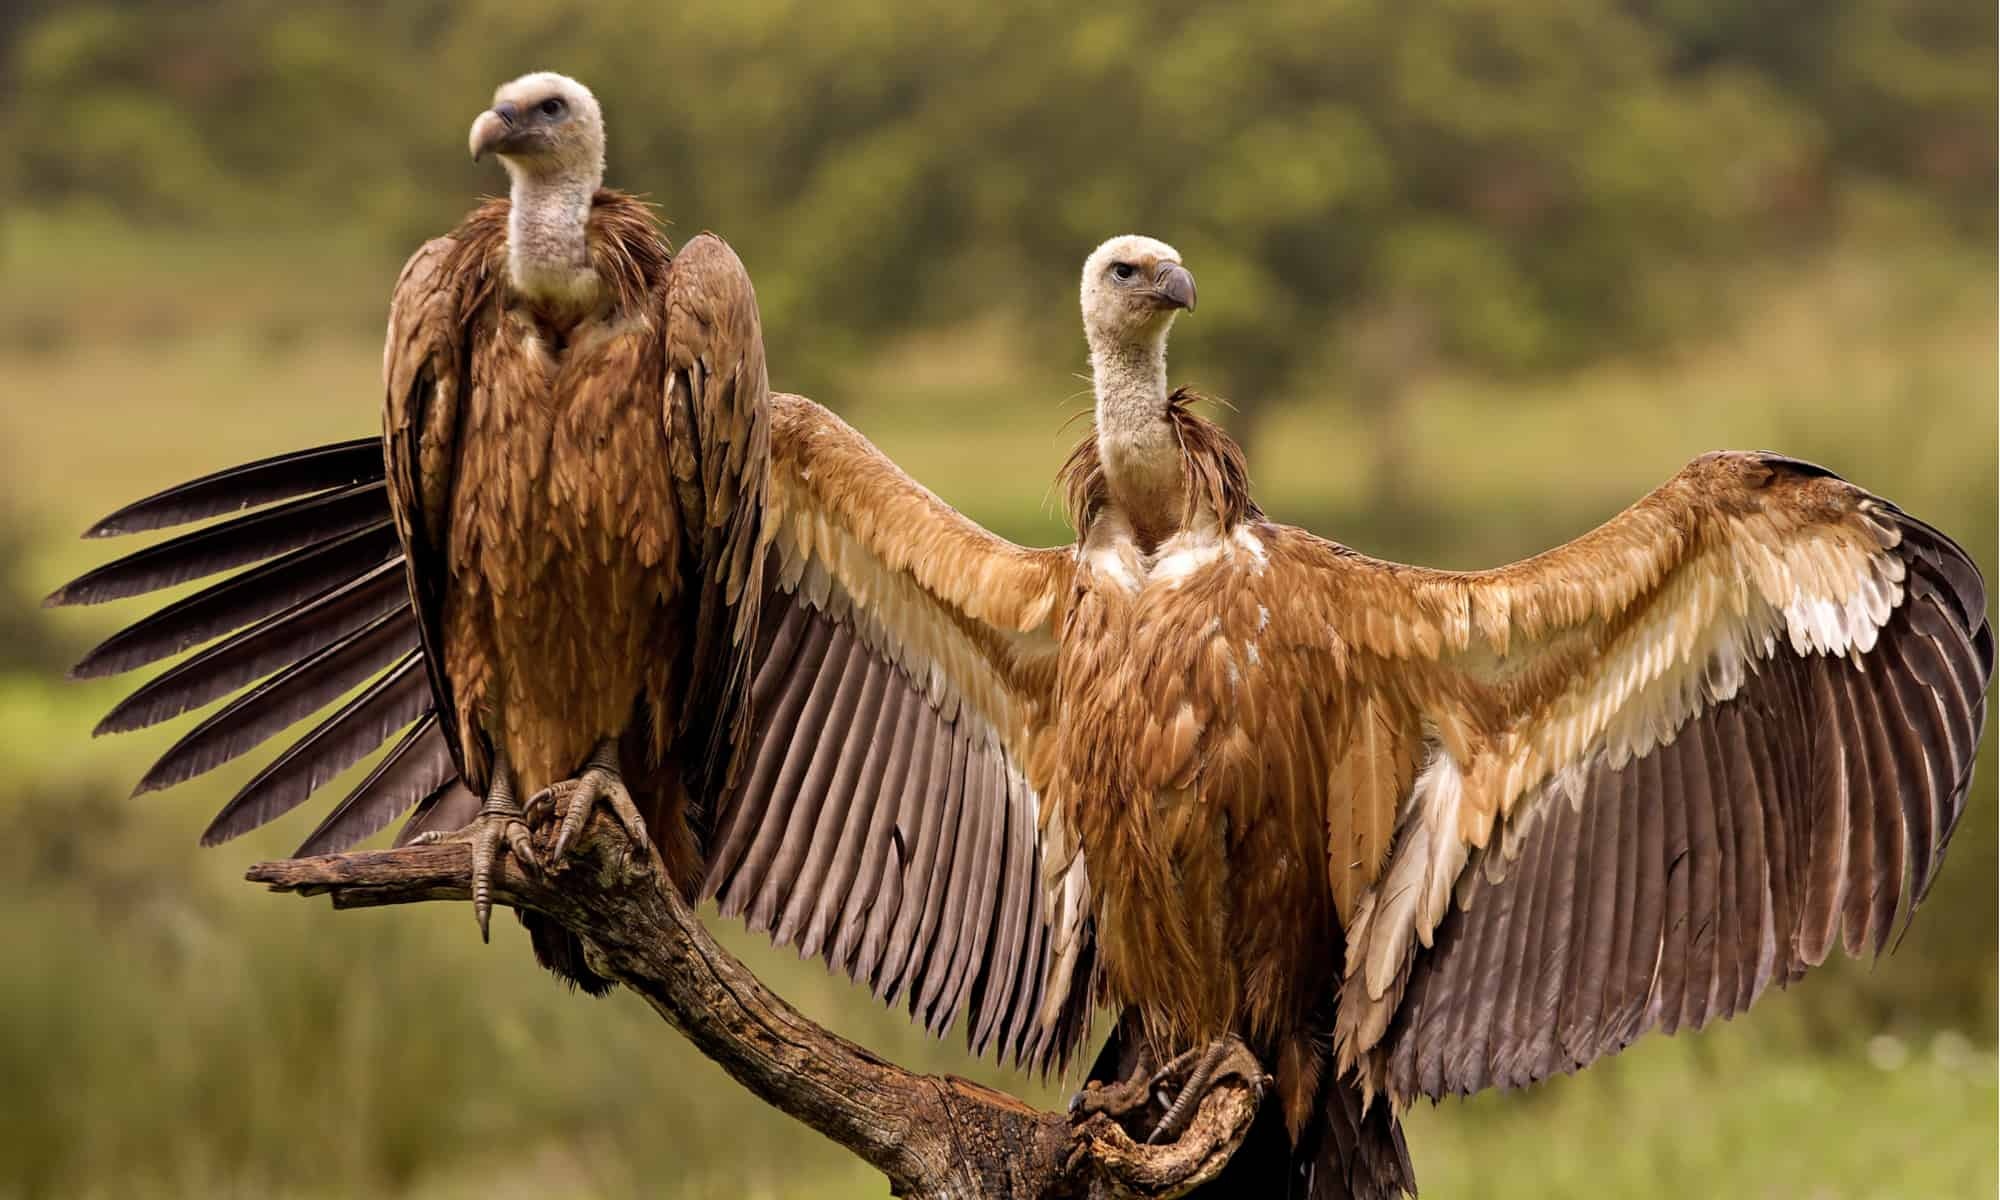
x=1404, y=832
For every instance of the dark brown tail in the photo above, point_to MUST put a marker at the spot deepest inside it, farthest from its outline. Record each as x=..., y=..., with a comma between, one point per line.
x=1344, y=1154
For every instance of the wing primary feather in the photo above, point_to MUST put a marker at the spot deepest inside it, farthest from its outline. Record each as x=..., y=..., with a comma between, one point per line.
x=1020, y=881
x=418, y=766
x=384, y=708
x=785, y=886
x=980, y=892
x=1583, y=1008
x=240, y=600
x=292, y=694
x=232, y=543
x=1633, y=995
x=827, y=835
x=1886, y=800
x=1856, y=889
x=277, y=642
x=451, y=807
x=1472, y=1019
x=1704, y=890
x=938, y=927
x=1549, y=927
x=1517, y=967
x=1922, y=755
x=280, y=477
x=1775, y=807
x=1746, y=802
x=801, y=743
x=993, y=972
x=1732, y=857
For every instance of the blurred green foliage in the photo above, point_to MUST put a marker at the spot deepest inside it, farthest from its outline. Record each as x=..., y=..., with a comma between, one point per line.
x=1476, y=274
x=1366, y=185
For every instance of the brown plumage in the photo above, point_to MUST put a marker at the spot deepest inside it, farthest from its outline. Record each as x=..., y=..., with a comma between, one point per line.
x=576, y=443
x=574, y=451
x=1408, y=832
x=565, y=538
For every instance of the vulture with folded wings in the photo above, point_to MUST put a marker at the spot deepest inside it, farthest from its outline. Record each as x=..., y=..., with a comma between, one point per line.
x=1405, y=832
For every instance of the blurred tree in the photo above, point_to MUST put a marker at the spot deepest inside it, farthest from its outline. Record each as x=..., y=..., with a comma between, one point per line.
x=1365, y=189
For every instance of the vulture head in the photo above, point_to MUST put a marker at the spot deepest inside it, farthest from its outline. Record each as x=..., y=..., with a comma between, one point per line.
x=544, y=126
x=1132, y=289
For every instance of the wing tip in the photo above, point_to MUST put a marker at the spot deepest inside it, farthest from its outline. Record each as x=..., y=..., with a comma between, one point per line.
x=111, y=526
x=214, y=836
x=68, y=595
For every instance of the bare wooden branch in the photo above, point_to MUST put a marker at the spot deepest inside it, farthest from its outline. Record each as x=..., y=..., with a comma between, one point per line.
x=934, y=1136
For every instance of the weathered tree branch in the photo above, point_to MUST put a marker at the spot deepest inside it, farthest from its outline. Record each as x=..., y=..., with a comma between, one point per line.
x=932, y=1135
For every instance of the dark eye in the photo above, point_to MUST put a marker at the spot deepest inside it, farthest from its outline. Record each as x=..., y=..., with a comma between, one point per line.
x=551, y=107
x=1123, y=271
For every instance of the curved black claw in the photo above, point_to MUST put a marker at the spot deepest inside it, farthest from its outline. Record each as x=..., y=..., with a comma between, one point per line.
x=600, y=782
x=1182, y=1110
x=500, y=821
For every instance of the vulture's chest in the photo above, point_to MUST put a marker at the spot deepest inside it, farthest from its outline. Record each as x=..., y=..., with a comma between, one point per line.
x=563, y=457
x=1164, y=682
x=1186, y=770
x=564, y=532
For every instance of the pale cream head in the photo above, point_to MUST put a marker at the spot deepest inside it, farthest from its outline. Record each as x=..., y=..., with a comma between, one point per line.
x=1133, y=287
x=546, y=126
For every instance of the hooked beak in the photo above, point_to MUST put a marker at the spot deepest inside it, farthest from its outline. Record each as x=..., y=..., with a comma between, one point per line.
x=1173, y=286
x=492, y=128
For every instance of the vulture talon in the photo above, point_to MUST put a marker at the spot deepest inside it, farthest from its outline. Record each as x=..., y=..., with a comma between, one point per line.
x=1201, y=1076
x=500, y=822
x=575, y=798
x=1128, y=1100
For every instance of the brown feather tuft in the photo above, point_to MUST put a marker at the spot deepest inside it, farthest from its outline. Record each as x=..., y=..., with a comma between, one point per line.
x=628, y=246
x=1218, y=477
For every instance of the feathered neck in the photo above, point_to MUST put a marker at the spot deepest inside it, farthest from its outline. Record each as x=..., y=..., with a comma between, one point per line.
x=548, y=242
x=626, y=249
x=1208, y=464
x=1135, y=432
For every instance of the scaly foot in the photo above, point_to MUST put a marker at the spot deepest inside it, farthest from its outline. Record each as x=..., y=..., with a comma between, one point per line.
x=1182, y=1109
x=599, y=783
x=1224, y=1057
x=500, y=820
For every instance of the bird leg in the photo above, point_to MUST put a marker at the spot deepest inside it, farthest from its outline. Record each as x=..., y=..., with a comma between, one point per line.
x=500, y=820
x=1181, y=1111
x=1128, y=1097
x=1133, y=1102
x=600, y=781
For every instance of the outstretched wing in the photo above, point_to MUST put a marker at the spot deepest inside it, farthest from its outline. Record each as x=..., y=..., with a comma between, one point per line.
x=1642, y=776
x=885, y=815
